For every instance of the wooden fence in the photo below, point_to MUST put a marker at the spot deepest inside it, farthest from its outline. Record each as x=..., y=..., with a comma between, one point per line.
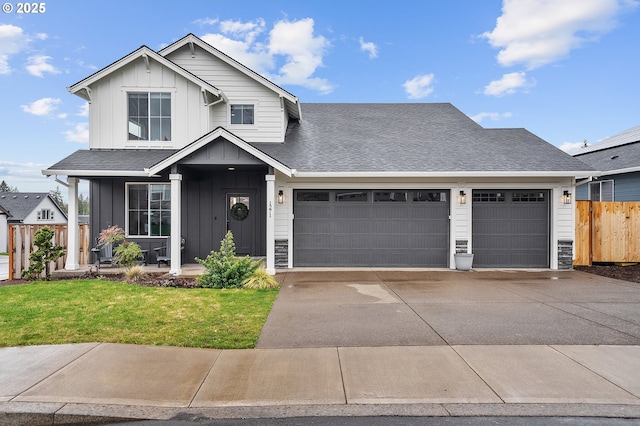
x=21, y=246
x=607, y=232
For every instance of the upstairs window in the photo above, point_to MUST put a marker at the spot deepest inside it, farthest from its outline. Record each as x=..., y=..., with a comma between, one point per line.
x=45, y=214
x=149, y=116
x=242, y=114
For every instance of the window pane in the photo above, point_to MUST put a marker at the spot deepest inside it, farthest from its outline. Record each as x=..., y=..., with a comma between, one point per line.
x=149, y=209
x=430, y=196
x=352, y=196
x=242, y=114
x=312, y=196
x=247, y=114
x=165, y=131
x=390, y=196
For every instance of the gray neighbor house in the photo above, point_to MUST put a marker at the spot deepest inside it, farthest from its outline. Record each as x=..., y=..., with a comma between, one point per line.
x=188, y=143
x=618, y=160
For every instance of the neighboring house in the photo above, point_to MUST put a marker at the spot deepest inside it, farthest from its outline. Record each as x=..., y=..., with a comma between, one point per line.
x=187, y=142
x=618, y=160
x=31, y=208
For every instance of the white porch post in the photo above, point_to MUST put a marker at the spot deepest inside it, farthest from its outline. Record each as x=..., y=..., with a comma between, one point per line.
x=72, y=226
x=176, y=220
x=271, y=224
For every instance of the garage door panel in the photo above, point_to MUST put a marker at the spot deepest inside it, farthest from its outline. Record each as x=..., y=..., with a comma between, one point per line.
x=511, y=230
x=372, y=233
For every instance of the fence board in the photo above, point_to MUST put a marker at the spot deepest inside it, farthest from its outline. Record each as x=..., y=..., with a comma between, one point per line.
x=614, y=232
x=21, y=246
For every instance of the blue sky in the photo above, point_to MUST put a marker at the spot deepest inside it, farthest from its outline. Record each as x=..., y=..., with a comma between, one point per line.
x=567, y=70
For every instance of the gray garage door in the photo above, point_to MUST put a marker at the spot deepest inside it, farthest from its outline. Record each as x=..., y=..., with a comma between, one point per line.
x=511, y=228
x=371, y=228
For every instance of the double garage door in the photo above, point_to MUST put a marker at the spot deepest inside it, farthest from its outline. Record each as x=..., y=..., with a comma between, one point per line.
x=410, y=228
x=371, y=228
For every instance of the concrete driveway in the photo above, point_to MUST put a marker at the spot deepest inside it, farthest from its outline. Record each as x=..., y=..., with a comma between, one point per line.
x=432, y=308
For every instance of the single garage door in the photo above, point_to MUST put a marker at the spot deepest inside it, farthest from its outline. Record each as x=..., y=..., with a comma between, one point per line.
x=371, y=228
x=511, y=228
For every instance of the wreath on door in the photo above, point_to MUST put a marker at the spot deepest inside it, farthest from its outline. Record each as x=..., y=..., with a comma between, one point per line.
x=239, y=211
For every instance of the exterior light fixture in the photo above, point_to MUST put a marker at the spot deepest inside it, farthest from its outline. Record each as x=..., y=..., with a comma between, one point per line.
x=462, y=198
x=566, y=197
x=281, y=197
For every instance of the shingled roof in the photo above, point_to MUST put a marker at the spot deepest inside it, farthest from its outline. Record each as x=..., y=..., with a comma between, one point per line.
x=20, y=204
x=619, y=153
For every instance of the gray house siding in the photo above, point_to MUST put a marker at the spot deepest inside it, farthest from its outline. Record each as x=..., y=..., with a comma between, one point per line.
x=204, y=207
x=626, y=187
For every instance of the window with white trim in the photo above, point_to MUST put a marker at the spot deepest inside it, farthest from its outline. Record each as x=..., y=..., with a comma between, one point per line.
x=45, y=214
x=242, y=113
x=149, y=116
x=601, y=191
x=149, y=209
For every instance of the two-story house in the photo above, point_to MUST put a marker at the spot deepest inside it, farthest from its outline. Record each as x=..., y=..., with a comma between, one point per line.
x=188, y=143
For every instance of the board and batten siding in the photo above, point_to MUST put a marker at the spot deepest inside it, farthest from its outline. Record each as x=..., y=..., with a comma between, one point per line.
x=108, y=109
x=239, y=88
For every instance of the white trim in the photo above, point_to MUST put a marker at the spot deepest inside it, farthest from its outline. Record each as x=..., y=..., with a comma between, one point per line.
x=97, y=173
x=206, y=139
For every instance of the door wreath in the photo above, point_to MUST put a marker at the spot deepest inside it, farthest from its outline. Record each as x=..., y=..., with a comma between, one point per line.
x=239, y=211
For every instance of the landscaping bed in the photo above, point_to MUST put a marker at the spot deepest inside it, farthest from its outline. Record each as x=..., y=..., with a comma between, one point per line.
x=626, y=273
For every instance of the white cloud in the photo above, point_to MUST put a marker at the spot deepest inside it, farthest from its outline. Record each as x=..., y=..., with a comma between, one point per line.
x=206, y=21
x=420, y=86
x=42, y=107
x=84, y=110
x=37, y=66
x=292, y=44
x=493, y=116
x=80, y=133
x=572, y=147
x=12, y=41
x=508, y=84
x=538, y=32
x=369, y=47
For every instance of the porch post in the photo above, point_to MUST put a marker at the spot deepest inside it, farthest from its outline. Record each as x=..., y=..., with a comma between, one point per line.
x=176, y=221
x=271, y=223
x=72, y=226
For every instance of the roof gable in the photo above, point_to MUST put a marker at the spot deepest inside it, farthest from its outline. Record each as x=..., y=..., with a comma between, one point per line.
x=82, y=88
x=293, y=104
x=20, y=204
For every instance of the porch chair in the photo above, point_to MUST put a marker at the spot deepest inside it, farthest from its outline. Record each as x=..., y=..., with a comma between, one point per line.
x=166, y=249
x=103, y=254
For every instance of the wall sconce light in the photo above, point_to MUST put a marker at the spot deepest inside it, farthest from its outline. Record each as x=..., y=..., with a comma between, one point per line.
x=462, y=198
x=566, y=197
x=281, y=197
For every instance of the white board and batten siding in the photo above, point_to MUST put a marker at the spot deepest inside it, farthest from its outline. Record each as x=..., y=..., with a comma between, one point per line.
x=270, y=116
x=108, y=108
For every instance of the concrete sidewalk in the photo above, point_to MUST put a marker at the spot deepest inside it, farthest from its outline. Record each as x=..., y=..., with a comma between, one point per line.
x=97, y=382
x=355, y=343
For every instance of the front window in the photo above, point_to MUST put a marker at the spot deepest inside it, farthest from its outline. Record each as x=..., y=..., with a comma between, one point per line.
x=242, y=114
x=149, y=116
x=149, y=210
x=45, y=214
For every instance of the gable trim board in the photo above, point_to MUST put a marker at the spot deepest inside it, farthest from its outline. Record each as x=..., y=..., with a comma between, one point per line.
x=330, y=147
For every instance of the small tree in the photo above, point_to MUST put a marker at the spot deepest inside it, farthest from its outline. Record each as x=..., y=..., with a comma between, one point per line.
x=223, y=269
x=47, y=252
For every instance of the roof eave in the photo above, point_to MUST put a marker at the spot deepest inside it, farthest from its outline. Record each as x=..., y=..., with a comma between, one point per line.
x=95, y=173
x=456, y=174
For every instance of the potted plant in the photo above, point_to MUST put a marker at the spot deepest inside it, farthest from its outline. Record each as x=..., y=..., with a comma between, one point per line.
x=464, y=261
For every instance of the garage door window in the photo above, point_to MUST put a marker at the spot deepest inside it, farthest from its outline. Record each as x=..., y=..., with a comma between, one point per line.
x=495, y=197
x=310, y=196
x=527, y=197
x=392, y=196
x=429, y=196
x=350, y=196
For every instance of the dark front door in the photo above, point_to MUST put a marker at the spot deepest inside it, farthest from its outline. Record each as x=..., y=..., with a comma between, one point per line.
x=241, y=214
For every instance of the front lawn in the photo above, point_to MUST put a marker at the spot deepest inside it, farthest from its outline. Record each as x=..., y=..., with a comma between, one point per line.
x=76, y=311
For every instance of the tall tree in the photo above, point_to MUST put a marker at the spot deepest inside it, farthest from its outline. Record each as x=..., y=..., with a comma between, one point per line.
x=83, y=204
x=4, y=187
x=57, y=197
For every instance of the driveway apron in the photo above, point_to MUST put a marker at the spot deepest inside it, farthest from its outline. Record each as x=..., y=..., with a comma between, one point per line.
x=371, y=308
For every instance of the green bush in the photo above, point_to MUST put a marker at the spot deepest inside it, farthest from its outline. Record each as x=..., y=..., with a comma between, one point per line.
x=128, y=254
x=47, y=252
x=223, y=269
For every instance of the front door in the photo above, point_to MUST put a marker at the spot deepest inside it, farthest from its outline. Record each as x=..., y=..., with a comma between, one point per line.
x=240, y=221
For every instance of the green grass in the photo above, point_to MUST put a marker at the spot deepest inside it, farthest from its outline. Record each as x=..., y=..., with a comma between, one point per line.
x=76, y=311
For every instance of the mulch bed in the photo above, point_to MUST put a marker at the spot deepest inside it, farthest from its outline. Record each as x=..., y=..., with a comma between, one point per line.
x=626, y=273
x=147, y=280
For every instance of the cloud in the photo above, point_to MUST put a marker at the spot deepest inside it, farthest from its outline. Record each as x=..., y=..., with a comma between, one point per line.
x=420, y=86
x=79, y=134
x=291, y=54
x=538, y=32
x=206, y=21
x=369, y=47
x=493, y=116
x=572, y=147
x=42, y=107
x=84, y=110
x=508, y=84
x=37, y=65
x=12, y=41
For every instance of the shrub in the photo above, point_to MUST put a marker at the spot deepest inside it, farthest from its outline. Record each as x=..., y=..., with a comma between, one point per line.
x=47, y=252
x=134, y=274
x=260, y=279
x=127, y=254
x=113, y=234
x=223, y=269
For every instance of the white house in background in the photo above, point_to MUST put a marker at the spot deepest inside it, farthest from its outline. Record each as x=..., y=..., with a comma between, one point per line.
x=31, y=208
x=188, y=143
